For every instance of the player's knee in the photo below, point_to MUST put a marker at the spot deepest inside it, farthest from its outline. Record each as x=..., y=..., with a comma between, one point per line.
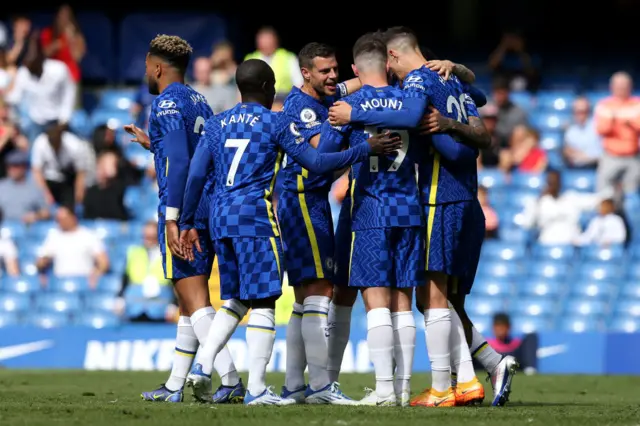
x=376, y=297
x=299, y=294
x=318, y=288
x=401, y=300
x=437, y=294
x=344, y=296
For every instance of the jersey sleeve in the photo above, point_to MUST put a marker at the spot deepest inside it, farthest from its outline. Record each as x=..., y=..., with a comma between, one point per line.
x=332, y=138
x=168, y=110
x=476, y=94
x=470, y=106
x=306, y=120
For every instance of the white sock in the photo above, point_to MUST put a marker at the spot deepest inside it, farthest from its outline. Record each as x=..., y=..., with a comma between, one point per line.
x=220, y=332
x=380, y=342
x=296, y=359
x=316, y=341
x=261, y=334
x=483, y=352
x=186, y=347
x=340, y=327
x=404, y=344
x=201, y=322
x=438, y=330
x=461, y=361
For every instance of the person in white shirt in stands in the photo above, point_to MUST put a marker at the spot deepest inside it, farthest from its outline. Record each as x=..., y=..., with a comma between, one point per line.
x=8, y=255
x=605, y=229
x=60, y=162
x=582, y=144
x=47, y=88
x=73, y=251
x=556, y=214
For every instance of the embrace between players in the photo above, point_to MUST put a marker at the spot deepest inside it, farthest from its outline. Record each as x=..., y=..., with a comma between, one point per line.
x=396, y=232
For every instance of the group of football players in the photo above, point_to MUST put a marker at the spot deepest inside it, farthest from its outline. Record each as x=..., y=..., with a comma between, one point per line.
x=407, y=129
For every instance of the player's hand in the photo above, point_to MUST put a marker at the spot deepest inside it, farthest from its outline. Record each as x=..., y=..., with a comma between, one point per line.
x=384, y=143
x=340, y=114
x=443, y=68
x=139, y=136
x=188, y=239
x=173, y=239
x=434, y=122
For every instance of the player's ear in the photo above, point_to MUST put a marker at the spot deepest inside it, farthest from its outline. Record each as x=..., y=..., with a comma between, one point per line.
x=355, y=69
x=305, y=73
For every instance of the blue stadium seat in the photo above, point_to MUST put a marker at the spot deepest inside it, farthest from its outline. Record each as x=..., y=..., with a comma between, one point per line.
x=634, y=253
x=80, y=123
x=548, y=269
x=48, y=319
x=534, y=181
x=30, y=248
x=578, y=180
x=523, y=99
x=513, y=234
x=39, y=230
x=551, y=252
x=596, y=96
x=8, y=319
x=598, y=290
x=69, y=285
x=551, y=140
x=499, y=250
x=492, y=178
x=110, y=284
x=628, y=307
x=613, y=253
x=133, y=198
x=482, y=323
x=520, y=198
x=499, y=269
x=113, y=119
x=14, y=302
x=600, y=271
x=13, y=230
x=541, y=287
x=28, y=267
x=108, y=229
x=630, y=289
x=492, y=287
x=534, y=306
x=545, y=121
x=58, y=302
x=555, y=160
x=555, y=100
x=484, y=305
x=529, y=324
x=625, y=324
x=580, y=324
x=23, y=284
x=99, y=319
x=99, y=302
x=116, y=100
x=137, y=155
x=586, y=307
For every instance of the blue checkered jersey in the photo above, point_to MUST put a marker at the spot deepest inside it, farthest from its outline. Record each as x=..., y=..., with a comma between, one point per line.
x=384, y=189
x=443, y=181
x=245, y=146
x=177, y=108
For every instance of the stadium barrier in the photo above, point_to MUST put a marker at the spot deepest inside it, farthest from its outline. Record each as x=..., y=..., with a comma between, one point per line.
x=150, y=347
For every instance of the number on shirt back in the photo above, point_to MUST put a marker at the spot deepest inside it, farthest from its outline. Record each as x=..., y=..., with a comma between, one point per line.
x=241, y=146
x=197, y=128
x=459, y=104
x=402, y=152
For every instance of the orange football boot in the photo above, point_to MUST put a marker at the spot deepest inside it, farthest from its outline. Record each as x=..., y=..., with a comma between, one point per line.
x=433, y=398
x=470, y=393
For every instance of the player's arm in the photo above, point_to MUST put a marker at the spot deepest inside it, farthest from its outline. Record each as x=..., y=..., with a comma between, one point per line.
x=349, y=86
x=478, y=96
x=453, y=150
x=196, y=179
x=176, y=149
x=473, y=134
x=408, y=117
x=445, y=68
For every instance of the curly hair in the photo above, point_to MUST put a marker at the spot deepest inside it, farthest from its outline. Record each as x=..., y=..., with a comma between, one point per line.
x=173, y=49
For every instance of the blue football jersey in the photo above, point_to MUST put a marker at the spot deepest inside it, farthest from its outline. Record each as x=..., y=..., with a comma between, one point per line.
x=384, y=190
x=177, y=107
x=442, y=181
x=308, y=114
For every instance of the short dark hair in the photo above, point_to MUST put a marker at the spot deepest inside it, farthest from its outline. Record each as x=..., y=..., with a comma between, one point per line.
x=252, y=75
x=501, y=318
x=314, y=50
x=370, y=44
x=407, y=33
x=174, y=50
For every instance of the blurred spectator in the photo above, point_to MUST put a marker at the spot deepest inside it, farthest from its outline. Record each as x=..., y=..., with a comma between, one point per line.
x=223, y=65
x=490, y=157
x=556, y=214
x=510, y=115
x=6, y=74
x=141, y=107
x=618, y=121
x=46, y=86
x=8, y=254
x=60, y=161
x=582, y=144
x=512, y=61
x=524, y=154
x=21, y=27
x=105, y=199
x=490, y=215
x=104, y=141
x=144, y=268
x=4, y=36
x=524, y=349
x=278, y=103
x=64, y=41
x=73, y=250
x=20, y=198
x=220, y=97
x=284, y=63
x=605, y=229
x=10, y=139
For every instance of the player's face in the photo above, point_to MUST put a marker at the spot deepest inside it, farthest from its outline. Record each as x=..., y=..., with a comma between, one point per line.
x=323, y=76
x=153, y=71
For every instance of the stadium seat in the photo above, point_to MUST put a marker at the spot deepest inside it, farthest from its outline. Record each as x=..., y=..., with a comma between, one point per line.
x=492, y=178
x=137, y=155
x=625, y=324
x=116, y=100
x=48, y=319
x=541, y=287
x=586, y=307
x=99, y=319
x=482, y=323
x=499, y=250
x=511, y=217
x=24, y=284
x=513, y=234
x=545, y=121
x=551, y=140
x=519, y=199
x=99, y=302
x=555, y=160
x=534, y=306
x=80, y=123
x=580, y=324
x=630, y=289
x=555, y=100
x=529, y=324
x=108, y=229
x=578, y=180
x=523, y=99
x=12, y=230
x=14, y=302
x=39, y=230
x=629, y=308
x=69, y=285
x=28, y=267
x=534, y=181
x=113, y=119
x=552, y=252
x=596, y=290
x=600, y=271
x=492, y=287
x=613, y=253
x=499, y=269
x=58, y=302
x=8, y=319
x=548, y=269
x=484, y=305
x=110, y=284
x=596, y=96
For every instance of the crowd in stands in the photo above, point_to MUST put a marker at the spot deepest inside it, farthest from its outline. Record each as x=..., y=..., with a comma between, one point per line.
x=559, y=188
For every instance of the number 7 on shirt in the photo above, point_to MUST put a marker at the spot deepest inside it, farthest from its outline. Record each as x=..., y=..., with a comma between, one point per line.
x=241, y=146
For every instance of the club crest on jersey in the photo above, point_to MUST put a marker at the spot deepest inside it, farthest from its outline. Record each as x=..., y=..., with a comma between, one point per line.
x=295, y=132
x=307, y=115
x=166, y=104
x=413, y=79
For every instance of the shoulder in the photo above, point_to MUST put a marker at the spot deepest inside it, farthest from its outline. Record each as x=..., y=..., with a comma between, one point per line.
x=354, y=98
x=171, y=98
x=56, y=66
